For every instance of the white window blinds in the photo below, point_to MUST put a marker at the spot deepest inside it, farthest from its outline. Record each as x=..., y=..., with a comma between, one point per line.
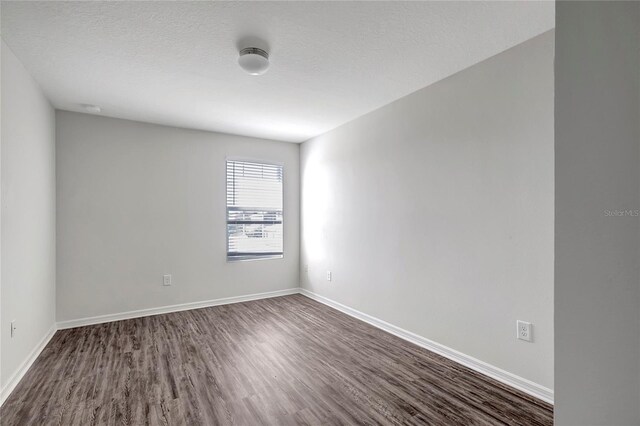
x=254, y=210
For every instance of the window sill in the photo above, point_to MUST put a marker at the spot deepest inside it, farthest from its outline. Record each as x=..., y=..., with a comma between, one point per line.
x=235, y=259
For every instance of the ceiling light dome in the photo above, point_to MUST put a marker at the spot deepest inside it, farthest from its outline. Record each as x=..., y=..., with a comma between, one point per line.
x=253, y=60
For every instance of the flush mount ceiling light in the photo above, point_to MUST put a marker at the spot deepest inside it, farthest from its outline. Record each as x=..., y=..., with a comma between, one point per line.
x=253, y=60
x=94, y=109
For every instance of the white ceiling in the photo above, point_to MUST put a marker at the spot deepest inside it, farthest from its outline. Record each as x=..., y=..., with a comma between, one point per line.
x=175, y=62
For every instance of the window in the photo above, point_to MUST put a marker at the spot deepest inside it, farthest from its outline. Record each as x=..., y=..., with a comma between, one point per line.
x=254, y=210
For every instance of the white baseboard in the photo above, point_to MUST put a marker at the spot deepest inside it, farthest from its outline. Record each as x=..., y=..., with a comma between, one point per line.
x=81, y=322
x=24, y=367
x=496, y=373
x=17, y=376
x=503, y=376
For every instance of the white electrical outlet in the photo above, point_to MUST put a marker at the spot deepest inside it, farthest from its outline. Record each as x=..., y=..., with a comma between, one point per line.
x=328, y=275
x=14, y=328
x=166, y=280
x=525, y=331
x=306, y=268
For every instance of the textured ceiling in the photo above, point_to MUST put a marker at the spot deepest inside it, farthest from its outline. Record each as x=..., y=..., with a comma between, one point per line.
x=175, y=62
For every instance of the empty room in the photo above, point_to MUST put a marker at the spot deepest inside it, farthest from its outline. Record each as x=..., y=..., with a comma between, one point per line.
x=320, y=213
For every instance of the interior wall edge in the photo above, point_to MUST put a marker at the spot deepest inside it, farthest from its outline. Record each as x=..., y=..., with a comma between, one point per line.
x=28, y=214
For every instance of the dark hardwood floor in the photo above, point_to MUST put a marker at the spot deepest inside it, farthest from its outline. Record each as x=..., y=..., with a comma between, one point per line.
x=281, y=361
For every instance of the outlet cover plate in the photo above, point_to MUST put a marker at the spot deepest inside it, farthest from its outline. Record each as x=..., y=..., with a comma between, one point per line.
x=525, y=330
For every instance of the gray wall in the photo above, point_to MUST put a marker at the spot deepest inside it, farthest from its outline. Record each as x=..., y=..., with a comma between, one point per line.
x=27, y=290
x=597, y=287
x=136, y=201
x=435, y=213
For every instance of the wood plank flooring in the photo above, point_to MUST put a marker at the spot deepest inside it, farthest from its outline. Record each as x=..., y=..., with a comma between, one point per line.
x=281, y=361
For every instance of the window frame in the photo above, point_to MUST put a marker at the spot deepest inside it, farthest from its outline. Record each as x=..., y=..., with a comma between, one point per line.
x=251, y=258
